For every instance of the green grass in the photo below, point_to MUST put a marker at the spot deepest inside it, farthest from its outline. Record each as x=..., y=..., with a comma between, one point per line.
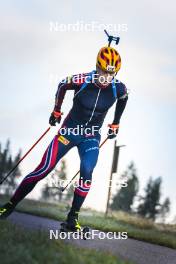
x=136, y=227
x=21, y=246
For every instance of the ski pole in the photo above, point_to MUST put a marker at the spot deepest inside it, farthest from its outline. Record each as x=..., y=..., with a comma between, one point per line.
x=63, y=188
x=24, y=156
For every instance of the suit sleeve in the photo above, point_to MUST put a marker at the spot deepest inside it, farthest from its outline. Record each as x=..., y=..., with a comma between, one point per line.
x=63, y=86
x=122, y=95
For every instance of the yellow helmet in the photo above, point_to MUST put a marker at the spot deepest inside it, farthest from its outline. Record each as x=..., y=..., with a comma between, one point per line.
x=108, y=59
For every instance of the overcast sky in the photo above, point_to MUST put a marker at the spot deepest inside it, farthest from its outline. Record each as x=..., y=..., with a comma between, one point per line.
x=34, y=57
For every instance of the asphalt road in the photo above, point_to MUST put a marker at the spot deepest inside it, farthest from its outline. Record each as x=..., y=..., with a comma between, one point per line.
x=129, y=249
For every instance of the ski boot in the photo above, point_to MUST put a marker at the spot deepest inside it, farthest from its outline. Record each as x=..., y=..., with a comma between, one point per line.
x=6, y=210
x=72, y=225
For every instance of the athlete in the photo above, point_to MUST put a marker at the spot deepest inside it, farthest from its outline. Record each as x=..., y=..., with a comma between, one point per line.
x=94, y=94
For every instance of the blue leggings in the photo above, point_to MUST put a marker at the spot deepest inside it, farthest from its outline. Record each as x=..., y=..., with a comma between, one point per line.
x=88, y=149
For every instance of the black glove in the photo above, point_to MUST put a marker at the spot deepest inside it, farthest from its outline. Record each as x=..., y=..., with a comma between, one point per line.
x=55, y=118
x=113, y=131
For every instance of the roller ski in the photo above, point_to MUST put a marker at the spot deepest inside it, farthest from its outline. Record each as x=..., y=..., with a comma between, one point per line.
x=6, y=210
x=72, y=226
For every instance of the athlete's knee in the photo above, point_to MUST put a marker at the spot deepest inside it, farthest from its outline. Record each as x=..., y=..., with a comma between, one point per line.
x=35, y=177
x=86, y=168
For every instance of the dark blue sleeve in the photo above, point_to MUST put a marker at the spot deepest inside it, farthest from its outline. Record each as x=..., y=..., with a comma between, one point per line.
x=121, y=90
x=122, y=97
x=64, y=85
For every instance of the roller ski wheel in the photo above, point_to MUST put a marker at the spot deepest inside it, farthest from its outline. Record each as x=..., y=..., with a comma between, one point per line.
x=83, y=231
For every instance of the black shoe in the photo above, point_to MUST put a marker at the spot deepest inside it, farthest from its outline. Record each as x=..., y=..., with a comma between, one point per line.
x=72, y=221
x=6, y=210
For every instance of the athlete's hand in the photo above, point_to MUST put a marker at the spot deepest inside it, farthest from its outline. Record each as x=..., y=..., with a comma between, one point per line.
x=113, y=130
x=55, y=118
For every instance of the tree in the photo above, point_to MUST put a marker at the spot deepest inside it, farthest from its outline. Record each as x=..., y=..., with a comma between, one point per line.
x=150, y=205
x=46, y=192
x=150, y=202
x=54, y=192
x=70, y=192
x=124, y=198
x=62, y=176
x=6, y=164
x=164, y=209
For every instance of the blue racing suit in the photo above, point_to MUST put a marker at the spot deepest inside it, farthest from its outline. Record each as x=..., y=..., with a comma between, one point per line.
x=90, y=106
